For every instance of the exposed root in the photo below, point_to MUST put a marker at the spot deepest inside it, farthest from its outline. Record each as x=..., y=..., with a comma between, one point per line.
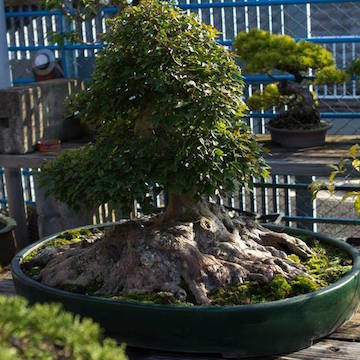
x=211, y=252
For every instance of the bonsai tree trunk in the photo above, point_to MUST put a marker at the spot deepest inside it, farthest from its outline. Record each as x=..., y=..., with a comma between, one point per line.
x=302, y=110
x=193, y=249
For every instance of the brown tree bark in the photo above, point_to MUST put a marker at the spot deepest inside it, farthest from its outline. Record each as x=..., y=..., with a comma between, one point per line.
x=213, y=250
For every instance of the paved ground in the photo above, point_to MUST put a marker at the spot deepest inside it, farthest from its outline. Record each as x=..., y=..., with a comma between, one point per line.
x=6, y=283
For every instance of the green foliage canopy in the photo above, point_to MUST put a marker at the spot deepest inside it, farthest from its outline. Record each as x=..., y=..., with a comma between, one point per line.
x=263, y=52
x=46, y=332
x=167, y=103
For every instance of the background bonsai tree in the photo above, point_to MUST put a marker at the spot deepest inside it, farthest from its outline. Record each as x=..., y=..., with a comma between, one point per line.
x=262, y=52
x=167, y=103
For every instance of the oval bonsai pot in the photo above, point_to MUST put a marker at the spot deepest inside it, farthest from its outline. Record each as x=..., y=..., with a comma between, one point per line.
x=299, y=138
x=246, y=330
x=7, y=239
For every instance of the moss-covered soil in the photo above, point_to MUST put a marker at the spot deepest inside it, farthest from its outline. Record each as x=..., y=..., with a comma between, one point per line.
x=327, y=265
x=64, y=240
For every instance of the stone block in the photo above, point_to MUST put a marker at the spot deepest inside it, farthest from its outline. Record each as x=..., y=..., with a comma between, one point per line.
x=35, y=112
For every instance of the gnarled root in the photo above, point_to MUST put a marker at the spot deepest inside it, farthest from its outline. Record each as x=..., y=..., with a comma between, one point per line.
x=211, y=252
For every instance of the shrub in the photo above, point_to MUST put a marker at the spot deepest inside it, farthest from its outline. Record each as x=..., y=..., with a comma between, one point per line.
x=350, y=163
x=46, y=332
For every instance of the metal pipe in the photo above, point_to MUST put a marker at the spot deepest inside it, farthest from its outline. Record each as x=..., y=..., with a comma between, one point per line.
x=323, y=115
x=258, y=3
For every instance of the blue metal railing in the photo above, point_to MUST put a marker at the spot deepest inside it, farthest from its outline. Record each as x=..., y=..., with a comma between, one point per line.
x=324, y=115
x=249, y=3
x=193, y=6
x=26, y=173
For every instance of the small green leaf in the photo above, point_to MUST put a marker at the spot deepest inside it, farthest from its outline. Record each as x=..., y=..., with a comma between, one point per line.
x=219, y=152
x=357, y=203
x=356, y=164
x=354, y=150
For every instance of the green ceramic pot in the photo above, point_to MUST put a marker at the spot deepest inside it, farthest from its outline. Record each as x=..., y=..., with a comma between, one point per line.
x=247, y=330
x=7, y=239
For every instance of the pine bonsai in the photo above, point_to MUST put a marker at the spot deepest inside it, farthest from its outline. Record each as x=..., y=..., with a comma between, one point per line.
x=167, y=103
x=263, y=52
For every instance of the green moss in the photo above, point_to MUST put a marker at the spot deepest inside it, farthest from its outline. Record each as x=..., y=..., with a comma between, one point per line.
x=295, y=258
x=333, y=273
x=239, y=294
x=316, y=263
x=279, y=288
x=327, y=265
x=33, y=271
x=302, y=285
x=75, y=234
x=252, y=292
x=29, y=257
x=66, y=238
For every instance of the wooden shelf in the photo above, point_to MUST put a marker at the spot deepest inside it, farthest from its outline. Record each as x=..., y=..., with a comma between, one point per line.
x=313, y=161
x=304, y=162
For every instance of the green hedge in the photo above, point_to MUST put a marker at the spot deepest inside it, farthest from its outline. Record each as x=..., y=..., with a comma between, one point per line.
x=47, y=332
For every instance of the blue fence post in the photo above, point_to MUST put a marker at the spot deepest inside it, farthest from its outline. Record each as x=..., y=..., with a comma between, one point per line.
x=4, y=58
x=64, y=62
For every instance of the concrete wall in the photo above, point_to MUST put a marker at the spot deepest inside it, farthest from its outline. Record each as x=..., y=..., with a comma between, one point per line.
x=34, y=112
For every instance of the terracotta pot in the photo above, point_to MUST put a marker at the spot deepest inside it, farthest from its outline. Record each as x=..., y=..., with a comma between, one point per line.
x=299, y=138
x=51, y=145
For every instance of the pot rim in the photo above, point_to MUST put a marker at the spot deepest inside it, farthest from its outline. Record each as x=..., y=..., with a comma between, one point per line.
x=327, y=126
x=352, y=251
x=10, y=224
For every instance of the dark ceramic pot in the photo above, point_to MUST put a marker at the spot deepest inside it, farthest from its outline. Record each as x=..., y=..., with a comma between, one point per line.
x=7, y=239
x=299, y=138
x=247, y=330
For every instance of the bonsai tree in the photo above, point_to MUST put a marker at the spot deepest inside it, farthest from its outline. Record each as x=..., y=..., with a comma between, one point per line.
x=263, y=52
x=167, y=104
x=48, y=332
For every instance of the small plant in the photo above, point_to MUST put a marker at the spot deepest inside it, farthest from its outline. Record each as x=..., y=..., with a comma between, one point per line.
x=46, y=332
x=272, y=54
x=349, y=164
